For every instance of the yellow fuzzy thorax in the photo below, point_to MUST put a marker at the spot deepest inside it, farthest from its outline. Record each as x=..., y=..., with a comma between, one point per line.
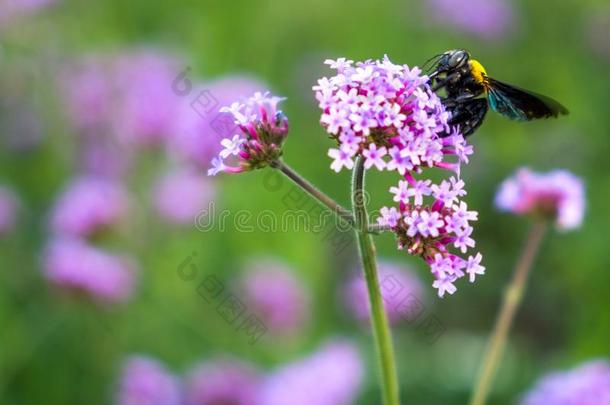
x=478, y=71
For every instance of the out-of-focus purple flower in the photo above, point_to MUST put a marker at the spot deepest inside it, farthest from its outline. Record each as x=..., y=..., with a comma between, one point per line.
x=557, y=195
x=273, y=293
x=180, y=195
x=262, y=129
x=388, y=114
x=598, y=31
x=487, y=19
x=9, y=207
x=145, y=381
x=89, y=204
x=401, y=290
x=331, y=376
x=223, y=382
x=74, y=265
x=13, y=10
x=588, y=384
x=200, y=126
x=147, y=105
x=89, y=94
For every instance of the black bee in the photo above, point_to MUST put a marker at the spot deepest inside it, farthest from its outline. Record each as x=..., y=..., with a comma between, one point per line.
x=465, y=81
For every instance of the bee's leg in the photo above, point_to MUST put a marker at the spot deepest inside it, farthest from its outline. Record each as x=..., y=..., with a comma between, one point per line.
x=468, y=115
x=440, y=83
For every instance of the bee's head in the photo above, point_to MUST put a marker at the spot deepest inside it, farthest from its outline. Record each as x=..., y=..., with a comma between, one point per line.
x=451, y=60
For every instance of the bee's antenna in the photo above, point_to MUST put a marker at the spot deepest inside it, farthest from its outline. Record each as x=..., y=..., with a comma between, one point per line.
x=435, y=57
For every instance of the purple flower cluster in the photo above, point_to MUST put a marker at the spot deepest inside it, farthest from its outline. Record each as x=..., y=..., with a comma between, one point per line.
x=487, y=19
x=74, y=265
x=432, y=230
x=331, y=376
x=89, y=204
x=273, y=293
x=557, y=195
x=386, y=113
x=262, y=131
x=588, y=384
x=399, y=286
x=145, y=381
x=222, y=382
x=181, y=194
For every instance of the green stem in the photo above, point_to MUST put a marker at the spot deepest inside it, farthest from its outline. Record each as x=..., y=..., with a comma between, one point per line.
x=341, y=212
x=512, y=299
x=381, y=329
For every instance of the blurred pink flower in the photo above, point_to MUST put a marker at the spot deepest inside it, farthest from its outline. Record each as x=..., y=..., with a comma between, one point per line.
x=558, y=195
x=145, y=381
x=74, y=265
x=87, y=205
x=13, y=10
x=9, y=207
x=331, y=376
x=588, y=384
x=222, y=382
x=402, y=292
x=274, y=294
x=199, y=125
x=180, y=195
x=487, y=19
x=147, y=106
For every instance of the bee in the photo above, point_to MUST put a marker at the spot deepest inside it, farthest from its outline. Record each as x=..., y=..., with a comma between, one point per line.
x=470, y=93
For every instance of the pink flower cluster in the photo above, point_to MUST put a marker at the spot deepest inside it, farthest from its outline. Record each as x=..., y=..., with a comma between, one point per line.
x=262, y=131
x=273, y=292
x=388, y=114
x=431, y=230
x=557, y=195
x=146, y=381
x=75, y=265
x=332, y=375
x=89, y=204
x=588, y=384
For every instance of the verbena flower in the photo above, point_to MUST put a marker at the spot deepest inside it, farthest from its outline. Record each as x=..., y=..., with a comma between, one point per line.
x=222, y=382
x=557, y=195
x=486, y=19
x=89, y=204
x=181, y=194
x=435, y=229
x=388, y=114
x=199, y=125
x=331, y=376
x=72, y=264
x=272, y=292
x=262, y=131
x=588, y=384
x=145, y=381
x=401, y=290
x=9, y=207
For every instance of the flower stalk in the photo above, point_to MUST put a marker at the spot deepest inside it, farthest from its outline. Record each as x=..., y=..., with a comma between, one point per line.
x=381, y=330
x=512, y=299
x=341, y=212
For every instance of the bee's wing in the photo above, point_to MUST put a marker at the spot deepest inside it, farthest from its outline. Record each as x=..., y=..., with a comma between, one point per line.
x=519, y=104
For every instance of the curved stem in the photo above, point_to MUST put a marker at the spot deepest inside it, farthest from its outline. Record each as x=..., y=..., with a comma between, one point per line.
x=379, y=321
x=312, y=190
x=512, y=299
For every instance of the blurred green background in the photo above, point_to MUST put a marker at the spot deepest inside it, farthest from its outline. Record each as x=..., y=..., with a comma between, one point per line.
x=56, y=349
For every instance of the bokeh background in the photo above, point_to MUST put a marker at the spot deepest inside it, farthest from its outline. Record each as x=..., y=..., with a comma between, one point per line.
x=102, y=169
